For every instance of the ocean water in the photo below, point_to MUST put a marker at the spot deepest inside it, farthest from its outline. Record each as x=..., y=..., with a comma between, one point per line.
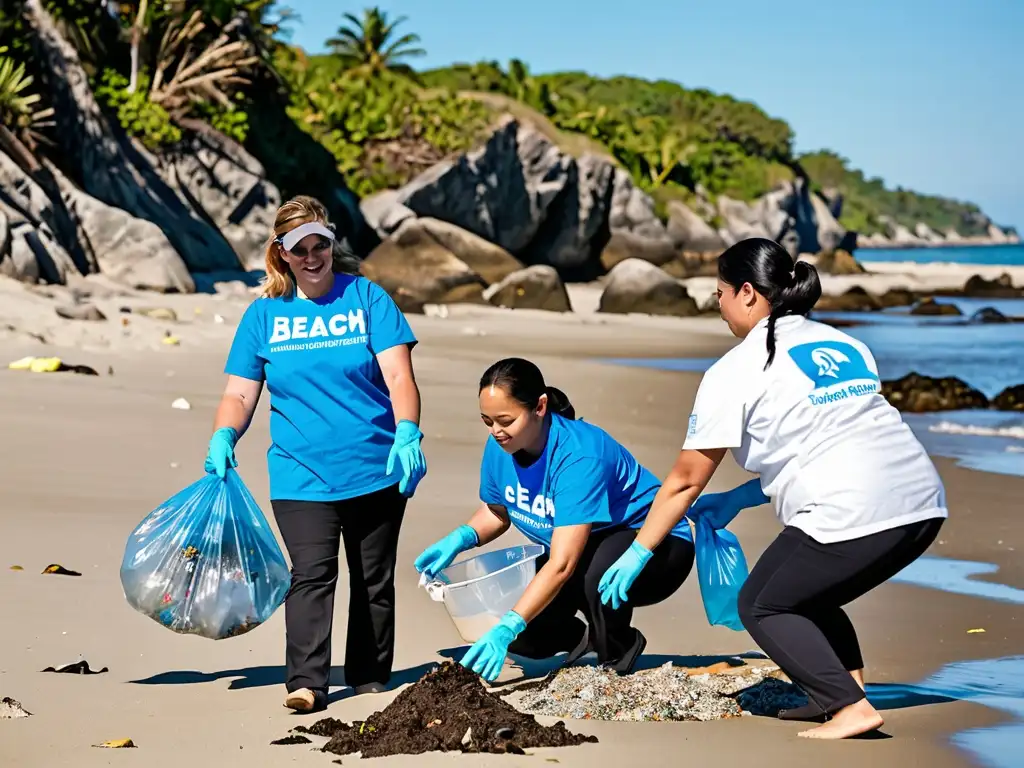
x=989, y=357
x=1008, y=255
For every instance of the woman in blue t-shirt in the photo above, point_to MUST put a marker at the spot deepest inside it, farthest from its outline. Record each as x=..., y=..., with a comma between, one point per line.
x=570, y=487
x=335, y=354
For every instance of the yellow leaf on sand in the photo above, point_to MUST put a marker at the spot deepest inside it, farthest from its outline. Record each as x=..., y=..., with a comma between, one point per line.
x=172, y=340
x=974, y=631
x=117, y=744
x=17, y=568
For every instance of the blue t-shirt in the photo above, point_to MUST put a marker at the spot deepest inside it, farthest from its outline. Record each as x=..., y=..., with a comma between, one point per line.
x=583, y=476
x=331, y=422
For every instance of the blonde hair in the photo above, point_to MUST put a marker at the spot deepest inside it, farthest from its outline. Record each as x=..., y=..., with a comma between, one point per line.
x=300, y=210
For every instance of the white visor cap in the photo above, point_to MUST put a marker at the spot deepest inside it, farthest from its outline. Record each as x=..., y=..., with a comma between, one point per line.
x=289, y=239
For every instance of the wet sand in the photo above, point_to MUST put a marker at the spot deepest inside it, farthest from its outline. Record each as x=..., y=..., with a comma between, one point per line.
x=86, y=458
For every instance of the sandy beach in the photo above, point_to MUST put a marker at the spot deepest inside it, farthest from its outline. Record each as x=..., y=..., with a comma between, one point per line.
x=86, y=457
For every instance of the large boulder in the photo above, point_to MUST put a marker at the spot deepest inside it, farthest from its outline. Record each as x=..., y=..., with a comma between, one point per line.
x=493, y=263
x=536, y=287
x=923, y=394
x=632, y=209
x=415, y=270
x=225, y=185
x=522, y=193
x=689, y=232
x=838, y=263
x=637, y=286
x=132, y=251
x=626, y=245
x=741, y=222
x=928, y=234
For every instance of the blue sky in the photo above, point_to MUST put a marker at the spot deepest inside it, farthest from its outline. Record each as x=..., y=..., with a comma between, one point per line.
x=928, y=94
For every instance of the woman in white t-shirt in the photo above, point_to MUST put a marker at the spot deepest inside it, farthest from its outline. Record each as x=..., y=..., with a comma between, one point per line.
x=799, y=403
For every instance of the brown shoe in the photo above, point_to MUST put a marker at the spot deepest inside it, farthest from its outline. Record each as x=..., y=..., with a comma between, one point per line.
x=302, y=700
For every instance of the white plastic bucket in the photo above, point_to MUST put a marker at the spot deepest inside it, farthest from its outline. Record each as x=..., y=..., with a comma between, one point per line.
x=478, y=591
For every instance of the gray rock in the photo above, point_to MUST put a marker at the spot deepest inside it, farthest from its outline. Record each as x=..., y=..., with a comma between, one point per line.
x=636, y=286
x=519, y=191
x=34, y=253
x=384, y=213
x=814, y=223
x=740, y=220
x=228, y=186
x=130, y=250
x=536, y=287
x=625, y=245
x=632, y=209
x=689, y=232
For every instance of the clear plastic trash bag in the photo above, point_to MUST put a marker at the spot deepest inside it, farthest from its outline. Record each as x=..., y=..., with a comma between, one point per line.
x=721, y=572
x=206, y=562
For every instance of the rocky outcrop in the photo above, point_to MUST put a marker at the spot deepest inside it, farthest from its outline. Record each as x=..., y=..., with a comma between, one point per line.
x=637, y=286
x=536, y=287
x=106, y=164
x=990, y=315
x=415, y=269
x=689, y=232
x=855, y=299
x=227, y=186
x=132, y=251
x=1000, y=288
x=927, y=234
x=522, y=193
x=923, y=394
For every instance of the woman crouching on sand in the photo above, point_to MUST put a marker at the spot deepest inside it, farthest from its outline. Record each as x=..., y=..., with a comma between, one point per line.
x=570, y=487
x=799, y=404
x=335, y=353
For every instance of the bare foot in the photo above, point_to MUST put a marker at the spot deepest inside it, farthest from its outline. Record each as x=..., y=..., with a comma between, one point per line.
x=849, y=721
x=858, y=677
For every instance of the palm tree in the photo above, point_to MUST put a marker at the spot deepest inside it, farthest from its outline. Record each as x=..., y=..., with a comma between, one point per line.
x=367, y=46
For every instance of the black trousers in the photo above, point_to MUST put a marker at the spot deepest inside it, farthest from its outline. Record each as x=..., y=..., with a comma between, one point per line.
x=791, y=603
x=313, y=533
x=557, y=629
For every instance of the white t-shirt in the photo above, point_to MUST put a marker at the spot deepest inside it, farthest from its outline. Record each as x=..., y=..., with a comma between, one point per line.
x=834, y=456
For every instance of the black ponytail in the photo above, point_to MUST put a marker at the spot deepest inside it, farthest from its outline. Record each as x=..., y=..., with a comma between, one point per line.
x=524, y=383
x=789, y=288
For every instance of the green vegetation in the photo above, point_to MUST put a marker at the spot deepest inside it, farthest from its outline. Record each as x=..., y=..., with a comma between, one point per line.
x=161, y=67
x=866, y=202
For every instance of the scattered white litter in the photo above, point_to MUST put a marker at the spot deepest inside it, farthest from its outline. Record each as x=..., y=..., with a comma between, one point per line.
x=182, y=404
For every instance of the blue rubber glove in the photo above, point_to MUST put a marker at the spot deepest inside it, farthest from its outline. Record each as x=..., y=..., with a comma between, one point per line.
x=721, y=508
x=221, y=453
x=406, y=449
x=617, y=580
x=440, y=554
x=487, y=656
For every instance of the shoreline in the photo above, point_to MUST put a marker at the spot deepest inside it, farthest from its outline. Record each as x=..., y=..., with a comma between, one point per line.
x=926, y=245
x=227, y=695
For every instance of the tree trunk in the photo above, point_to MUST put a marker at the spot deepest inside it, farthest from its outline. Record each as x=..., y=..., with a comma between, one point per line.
x=108, y=167
x=137, y=29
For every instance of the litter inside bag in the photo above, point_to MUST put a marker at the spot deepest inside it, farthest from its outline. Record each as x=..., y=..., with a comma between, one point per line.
x=206, y=562
x=721, y=571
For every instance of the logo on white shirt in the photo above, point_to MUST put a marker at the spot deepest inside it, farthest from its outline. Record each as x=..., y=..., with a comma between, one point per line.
x=837, y=369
